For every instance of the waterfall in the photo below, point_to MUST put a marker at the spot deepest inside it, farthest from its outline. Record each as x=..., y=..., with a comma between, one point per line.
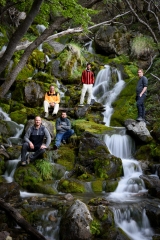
x=103, y=91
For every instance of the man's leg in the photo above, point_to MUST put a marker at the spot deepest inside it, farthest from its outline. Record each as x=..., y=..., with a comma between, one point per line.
x=24, y=150
x=46, y=106
x=83, y=92
x=140, y=106
x=56, y=108
x=89, y=89
x=58, y=139
x=36, y=154
x=68, y=134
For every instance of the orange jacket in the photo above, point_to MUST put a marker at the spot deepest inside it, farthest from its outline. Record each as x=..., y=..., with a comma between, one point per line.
x=52, y=97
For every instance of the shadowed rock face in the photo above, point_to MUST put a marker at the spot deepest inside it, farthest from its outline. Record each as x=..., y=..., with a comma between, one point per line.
x=138, y=130
x=96, y=158
x=75, y=225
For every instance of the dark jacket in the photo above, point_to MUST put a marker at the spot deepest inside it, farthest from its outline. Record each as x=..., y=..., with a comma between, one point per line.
x=143, y=82
x=62, y=125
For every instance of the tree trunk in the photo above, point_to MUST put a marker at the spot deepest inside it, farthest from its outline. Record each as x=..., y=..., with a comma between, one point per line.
x=20, y=220
x=19, y=33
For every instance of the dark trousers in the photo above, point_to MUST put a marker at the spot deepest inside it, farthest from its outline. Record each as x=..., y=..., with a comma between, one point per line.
x=25, y=148
x=140, y=106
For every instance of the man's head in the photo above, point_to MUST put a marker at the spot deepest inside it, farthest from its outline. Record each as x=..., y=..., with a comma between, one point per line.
x=37, y=121
x=63, y=114
x=140, y=72
x=51, y=89
x=88, y=66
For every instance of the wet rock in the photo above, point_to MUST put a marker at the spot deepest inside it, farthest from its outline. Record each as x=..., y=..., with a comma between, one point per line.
x=75, y=224
x=10, y=191
x=68, y=197
x=152, y=183
x=95, y=157
x=80, y=112
x=138, y=130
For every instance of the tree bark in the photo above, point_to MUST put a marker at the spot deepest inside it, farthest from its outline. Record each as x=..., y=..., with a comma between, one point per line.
x=19, y=33
x=20, y=220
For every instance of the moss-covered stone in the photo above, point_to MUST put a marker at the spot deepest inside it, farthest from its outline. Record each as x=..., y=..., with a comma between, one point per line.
x=111, y=185
x=82, y=125
x=28, y=177
x=97, y=186
x=66, y=156
x=71, y=185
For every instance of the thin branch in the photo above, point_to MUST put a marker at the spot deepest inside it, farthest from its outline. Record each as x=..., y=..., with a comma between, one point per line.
x=152, y=58
x=155, y=76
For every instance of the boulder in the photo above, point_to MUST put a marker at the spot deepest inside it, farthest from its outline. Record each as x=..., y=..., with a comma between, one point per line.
x=111, y=40
x=34, y=94
x=96, y=158
x=152, y=183
x=138, y=130
x=75, y=224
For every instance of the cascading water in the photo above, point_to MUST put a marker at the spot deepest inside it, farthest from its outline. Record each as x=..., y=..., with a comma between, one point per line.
x=122, y=146
x=105, y=92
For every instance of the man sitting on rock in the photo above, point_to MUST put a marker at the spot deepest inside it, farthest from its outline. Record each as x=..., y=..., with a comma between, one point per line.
x=51, y=100
x=64, y=131
x=34, y=141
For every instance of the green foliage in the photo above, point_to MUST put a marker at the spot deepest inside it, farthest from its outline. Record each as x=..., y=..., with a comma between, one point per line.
x=142, y=44
x=95, y=227
x=45, y=168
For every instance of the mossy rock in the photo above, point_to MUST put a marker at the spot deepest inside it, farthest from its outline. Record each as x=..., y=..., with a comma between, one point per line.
x=111, y=185
x=46, y=188
x=97, y=186
x=28, y=177
x=82, y=125
x=5, y=107
x=66, y=156
x=14, y=151
x=71, y=186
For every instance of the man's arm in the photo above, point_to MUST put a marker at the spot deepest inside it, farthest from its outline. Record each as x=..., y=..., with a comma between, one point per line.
x=145, y=83
x=27, y=136
x=48, y=138
x=68, y=126
x=143, y=90
x=58, y=125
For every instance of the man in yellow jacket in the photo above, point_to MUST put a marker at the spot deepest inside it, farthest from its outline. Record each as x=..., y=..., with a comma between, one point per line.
x=51, y=100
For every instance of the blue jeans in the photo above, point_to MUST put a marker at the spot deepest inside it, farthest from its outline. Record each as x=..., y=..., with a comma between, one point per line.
x=140, y=105
x=35, y=155
x=63, y=136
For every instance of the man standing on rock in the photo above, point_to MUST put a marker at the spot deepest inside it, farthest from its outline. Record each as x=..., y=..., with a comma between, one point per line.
x=64, y=131
x=141, y=92
x=34, y=141
x=51, y=100
x=87, y=80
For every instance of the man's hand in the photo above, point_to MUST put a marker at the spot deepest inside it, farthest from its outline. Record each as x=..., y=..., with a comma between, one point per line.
x=52, y=104
x=43, y=146
x=31, y=145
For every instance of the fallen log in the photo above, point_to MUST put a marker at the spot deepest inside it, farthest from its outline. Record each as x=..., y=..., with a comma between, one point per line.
x=20, y=220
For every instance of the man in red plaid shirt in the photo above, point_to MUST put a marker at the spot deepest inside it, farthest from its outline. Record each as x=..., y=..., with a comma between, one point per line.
x=87, y=80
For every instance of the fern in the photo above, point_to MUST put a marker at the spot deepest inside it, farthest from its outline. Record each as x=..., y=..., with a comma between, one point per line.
x=45, y=169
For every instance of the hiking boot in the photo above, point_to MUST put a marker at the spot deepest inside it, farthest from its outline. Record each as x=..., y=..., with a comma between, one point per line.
x=80, y=105
x=55, y=147
x=139, y=119
x=64, y=141
x=46, y=115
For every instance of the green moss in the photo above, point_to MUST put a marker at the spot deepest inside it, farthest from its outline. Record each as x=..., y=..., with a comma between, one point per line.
x=81, y=125
x=97, y=186
x=28, y=177
x=66, y=157
x=95, y=227
x=71, y=185
x=45, y=188
x=5, y=107
x=111, y=185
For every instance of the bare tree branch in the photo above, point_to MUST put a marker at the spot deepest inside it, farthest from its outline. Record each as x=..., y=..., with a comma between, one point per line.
x=155, y=76
x=141, y=21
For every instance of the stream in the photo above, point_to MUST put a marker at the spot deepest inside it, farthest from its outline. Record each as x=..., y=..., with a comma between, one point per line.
x=130, y=218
